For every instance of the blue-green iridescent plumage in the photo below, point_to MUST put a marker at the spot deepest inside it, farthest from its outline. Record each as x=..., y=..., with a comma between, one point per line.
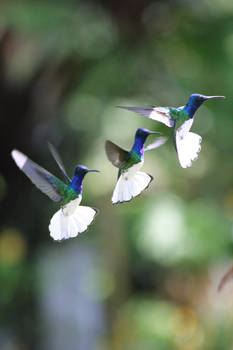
x=179, y=115
x=134, y=158
x=66, y=191
x=73, y=189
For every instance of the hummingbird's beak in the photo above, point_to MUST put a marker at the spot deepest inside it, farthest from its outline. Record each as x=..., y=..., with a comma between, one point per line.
x=209, y=97
x=93, y=170
x=154, y=132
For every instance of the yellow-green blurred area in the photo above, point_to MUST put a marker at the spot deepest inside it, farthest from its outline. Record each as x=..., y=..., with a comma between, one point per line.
x=145, y=274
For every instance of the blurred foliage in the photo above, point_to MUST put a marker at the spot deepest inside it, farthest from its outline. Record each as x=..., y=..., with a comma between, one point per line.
x=64, y=66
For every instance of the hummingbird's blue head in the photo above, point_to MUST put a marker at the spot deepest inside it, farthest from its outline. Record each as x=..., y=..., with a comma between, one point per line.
x=140, y=139
x=202, y=98
x=195, y=101
x=198, y=99
x=144, y=133
x=77, y=182
x=82, y=170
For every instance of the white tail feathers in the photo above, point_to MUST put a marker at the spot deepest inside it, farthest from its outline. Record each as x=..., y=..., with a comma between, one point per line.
x=130, y=187
x=71, y=220
x=188, y=148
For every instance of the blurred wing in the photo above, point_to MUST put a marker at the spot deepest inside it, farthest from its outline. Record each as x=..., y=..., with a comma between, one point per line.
x=116, y=154
x=228, y=276
x=160, y=114
x=157, y=143
x=45, y=181
x=58, y=161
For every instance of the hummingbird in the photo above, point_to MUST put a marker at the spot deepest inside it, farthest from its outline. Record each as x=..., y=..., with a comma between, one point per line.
x=131, y=182
x=187, y=144
x=72, y=218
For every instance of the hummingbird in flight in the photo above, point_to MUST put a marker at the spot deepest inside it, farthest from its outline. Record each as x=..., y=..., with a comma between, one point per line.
x=187, y=144
x=131, y=182
x=72, y=218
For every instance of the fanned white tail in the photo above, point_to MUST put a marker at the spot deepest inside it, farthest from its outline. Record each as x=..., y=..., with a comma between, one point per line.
x=71, y=220
x=129, y=186
x=188, y=146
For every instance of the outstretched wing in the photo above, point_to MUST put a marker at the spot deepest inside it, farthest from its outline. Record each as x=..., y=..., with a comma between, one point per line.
x=45, y=181
x=58, y=161
x=160, y=114
x=157, y=143
x=117, y=156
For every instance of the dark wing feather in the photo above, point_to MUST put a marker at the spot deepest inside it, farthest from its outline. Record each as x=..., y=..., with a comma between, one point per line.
x=58, y=160
x=117, y=156
x=43, y=179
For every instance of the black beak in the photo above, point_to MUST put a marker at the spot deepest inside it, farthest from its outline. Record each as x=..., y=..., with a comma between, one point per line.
x=154, y=132
x=209, y=97
x=93, y=170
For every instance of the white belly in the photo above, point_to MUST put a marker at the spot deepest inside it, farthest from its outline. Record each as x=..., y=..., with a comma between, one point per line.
x=70, y=208
x=130, y=184
x=129, y=173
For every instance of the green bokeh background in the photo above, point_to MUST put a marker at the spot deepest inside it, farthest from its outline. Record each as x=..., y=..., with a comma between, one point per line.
x=64, y=66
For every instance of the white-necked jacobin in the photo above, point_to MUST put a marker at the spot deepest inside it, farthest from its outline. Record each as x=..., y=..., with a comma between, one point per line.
x=131, y=182
x=187, y=144
x=72, y=218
